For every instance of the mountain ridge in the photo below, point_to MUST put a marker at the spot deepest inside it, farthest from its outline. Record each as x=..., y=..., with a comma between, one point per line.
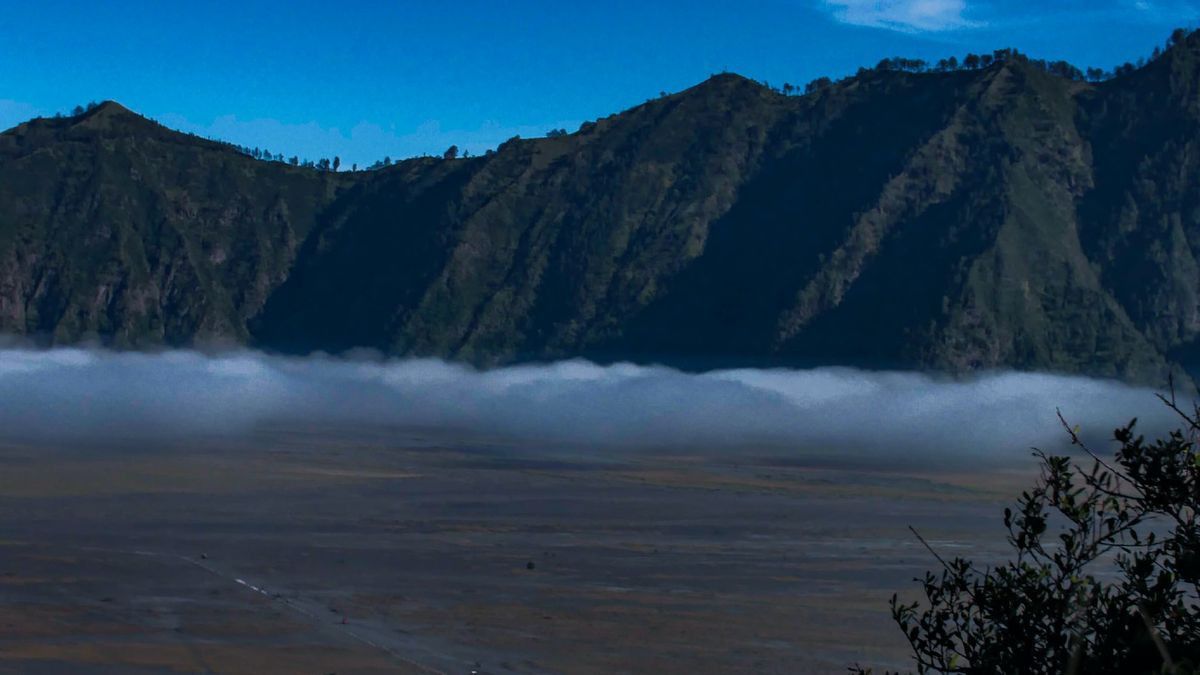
x=955, y=221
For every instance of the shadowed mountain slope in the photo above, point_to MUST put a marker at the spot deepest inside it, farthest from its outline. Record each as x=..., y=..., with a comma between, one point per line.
x=1000, y=217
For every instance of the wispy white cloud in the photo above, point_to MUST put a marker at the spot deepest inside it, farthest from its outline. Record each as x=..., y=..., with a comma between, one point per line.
x=910, y=16
x=1176, y=10
x=1064, y=18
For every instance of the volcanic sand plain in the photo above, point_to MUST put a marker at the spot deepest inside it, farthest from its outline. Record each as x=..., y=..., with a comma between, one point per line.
x=332, y=551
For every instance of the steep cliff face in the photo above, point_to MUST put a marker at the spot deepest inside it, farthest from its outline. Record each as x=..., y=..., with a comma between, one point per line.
x=1001, y=217
x=1141, y=223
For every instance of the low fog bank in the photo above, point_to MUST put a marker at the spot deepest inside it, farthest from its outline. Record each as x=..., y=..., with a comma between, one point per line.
x=81, y=395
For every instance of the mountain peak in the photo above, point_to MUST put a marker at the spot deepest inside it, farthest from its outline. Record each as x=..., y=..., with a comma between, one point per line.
x=111, y=108
x=726, y=82
x=111, y=116
x=727, y=78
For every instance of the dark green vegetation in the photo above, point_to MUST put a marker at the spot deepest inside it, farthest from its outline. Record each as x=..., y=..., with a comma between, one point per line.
x=1106, y=577
x=992, y=216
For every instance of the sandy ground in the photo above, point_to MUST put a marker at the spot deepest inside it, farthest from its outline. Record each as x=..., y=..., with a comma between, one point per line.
x=315, y=552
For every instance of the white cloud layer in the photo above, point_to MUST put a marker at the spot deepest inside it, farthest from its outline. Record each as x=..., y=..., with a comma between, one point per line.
x=74, y=395
x=903, y=15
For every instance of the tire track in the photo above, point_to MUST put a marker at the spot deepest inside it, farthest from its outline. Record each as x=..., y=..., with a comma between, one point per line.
x=279, y=599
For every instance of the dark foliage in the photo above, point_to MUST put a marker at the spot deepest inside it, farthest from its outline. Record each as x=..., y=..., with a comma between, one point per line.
x=1105, y=578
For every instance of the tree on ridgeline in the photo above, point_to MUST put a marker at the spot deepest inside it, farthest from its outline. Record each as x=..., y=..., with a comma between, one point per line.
x=946, y=65
x=337, y=162
x=1064, y=69
x=817, y=85
x=451, y=152
x=1106, y=574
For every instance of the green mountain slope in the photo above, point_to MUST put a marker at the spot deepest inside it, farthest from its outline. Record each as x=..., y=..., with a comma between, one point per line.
x=114, y=227
x=1000, y=217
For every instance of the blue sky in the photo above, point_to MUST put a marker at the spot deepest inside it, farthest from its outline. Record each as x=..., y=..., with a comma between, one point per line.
x=367, y=79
